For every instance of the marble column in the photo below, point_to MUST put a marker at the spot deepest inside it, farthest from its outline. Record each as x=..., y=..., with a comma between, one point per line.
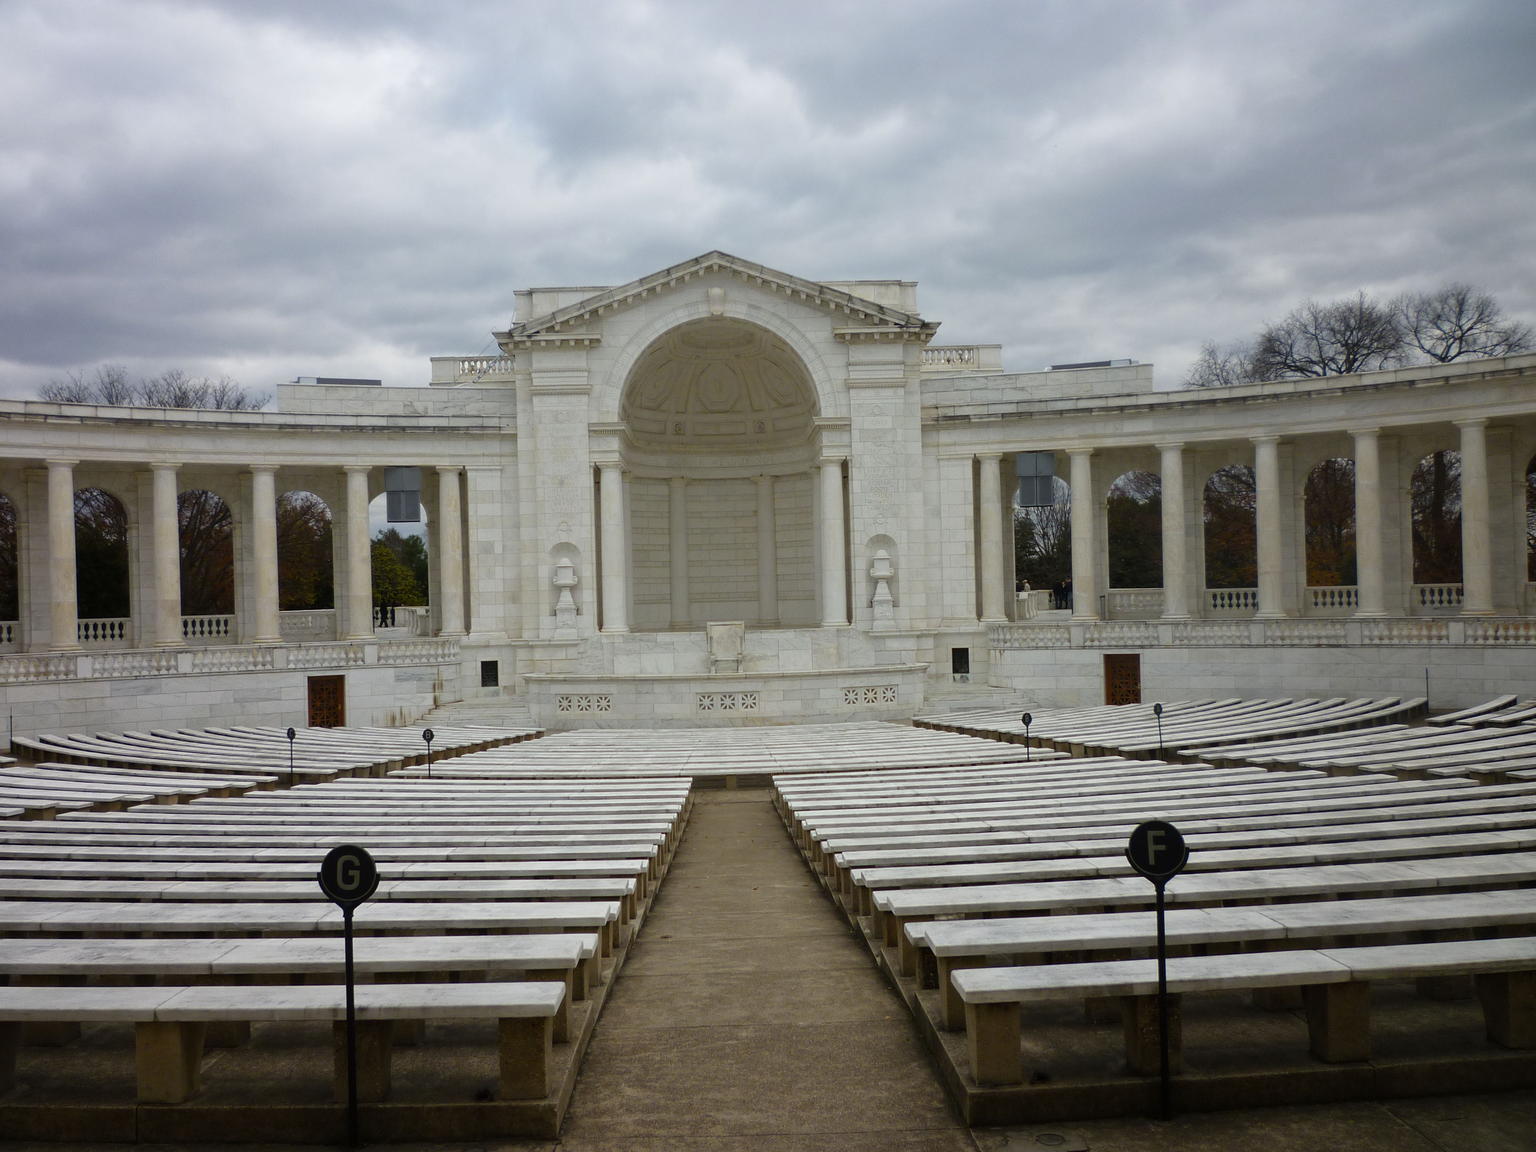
x=450, y=552
x=266, y=625
x=1370, y=571
x=1175, y=536
x=1476, y=546
x=64, y=615
x=165, y=559
x=615, y=548
x=989, y=507
x=677, y=538
x=1085, y=536
x=1271, y=552
x=834, y=546
x=359, y=590
x=767, y=554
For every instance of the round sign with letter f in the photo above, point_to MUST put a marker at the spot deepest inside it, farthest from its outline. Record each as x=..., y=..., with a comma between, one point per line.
x=1157, y=851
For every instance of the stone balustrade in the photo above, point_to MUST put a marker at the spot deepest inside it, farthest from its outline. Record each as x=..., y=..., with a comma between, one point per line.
x=470, y=369
x=1333, y=599
x=103, y=630
x=1483, y=632
x=1133, y=603
x=209, y=629
x=1437, y=597
x=1231, y=601
x=26, y=668
x=308, y=624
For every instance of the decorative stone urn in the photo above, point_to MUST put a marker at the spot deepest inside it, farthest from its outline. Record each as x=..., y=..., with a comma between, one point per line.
x=565, y=603
x=882, y=570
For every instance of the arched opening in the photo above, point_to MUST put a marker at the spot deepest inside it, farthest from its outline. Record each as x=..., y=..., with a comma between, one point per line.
x=400, y=558
x=720, y=499
x=1042, y=548
x=101, y=566
x=1435, y=503
x=1329, y=512
x=10, y=574
x=1231, y=545
x=1134, y=524
x=305, y=564
x=206, y=533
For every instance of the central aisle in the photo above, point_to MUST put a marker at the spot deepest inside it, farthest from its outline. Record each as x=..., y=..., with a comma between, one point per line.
x=747, y=1016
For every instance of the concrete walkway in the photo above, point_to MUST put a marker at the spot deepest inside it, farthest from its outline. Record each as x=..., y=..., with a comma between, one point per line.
x=748, y=1017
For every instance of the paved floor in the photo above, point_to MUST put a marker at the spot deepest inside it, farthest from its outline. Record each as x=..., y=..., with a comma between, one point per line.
x=748, y=1017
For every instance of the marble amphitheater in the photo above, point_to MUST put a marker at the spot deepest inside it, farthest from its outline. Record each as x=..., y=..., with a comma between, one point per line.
x=723, y=615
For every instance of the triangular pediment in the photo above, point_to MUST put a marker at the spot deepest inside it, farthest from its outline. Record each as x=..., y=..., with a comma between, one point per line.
x=573, y=318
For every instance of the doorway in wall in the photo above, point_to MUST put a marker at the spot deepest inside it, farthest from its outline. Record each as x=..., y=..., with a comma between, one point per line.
x=1122, y=678
x=327, y=701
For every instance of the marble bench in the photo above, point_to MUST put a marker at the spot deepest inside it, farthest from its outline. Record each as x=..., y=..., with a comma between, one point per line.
x=946, y=946
x=573, y=959
x=1335, y=983
x=169, y=1024
x=895, y=908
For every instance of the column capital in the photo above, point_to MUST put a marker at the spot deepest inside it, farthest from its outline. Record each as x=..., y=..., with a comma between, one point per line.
x=760, y=479
x=447, y=469
x=1170, y=446
x=1267, y=438
x=1079, y=452
x=827, y=461
x=991, y=455
x=1362, y=433
x=54, y=462
x=1472, y=422
x=357, y=469
x=162, y=466
x=272, y=468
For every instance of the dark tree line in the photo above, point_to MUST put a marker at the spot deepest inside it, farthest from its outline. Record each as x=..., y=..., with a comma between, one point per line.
x=1359, y=334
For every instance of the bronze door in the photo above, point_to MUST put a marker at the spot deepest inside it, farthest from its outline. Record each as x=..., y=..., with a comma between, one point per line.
x=327, y=701
x=1122, y=678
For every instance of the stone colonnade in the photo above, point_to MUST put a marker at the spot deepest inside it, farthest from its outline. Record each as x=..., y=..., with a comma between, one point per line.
x=1378, y=507
x=162, y=626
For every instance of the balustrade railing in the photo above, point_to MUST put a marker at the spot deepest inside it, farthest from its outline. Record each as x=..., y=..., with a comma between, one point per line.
x=212, y=629
x=103, y=630
x=1330, y=599
x=470, y=369
x=1231, y=601
x=1133, y=603
x=1436, y=597
x=412, y=619
x=9, y=635
x=954, y=356
x=307, y=624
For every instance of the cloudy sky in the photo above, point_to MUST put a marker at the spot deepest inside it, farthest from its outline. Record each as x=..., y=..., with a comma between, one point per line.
x=275, y=189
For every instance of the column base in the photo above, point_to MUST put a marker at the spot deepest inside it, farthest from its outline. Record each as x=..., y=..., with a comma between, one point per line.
x=1175, y=617
x=1270, y=616
x=614, y=631
x=162, y=644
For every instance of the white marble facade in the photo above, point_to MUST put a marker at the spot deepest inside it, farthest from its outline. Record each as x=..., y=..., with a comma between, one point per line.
x=720, y=441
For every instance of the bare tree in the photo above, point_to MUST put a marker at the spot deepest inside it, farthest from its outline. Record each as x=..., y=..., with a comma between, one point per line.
x=1334, y=339
x=1458, y=320
x=1221, y=367
x=110, y=384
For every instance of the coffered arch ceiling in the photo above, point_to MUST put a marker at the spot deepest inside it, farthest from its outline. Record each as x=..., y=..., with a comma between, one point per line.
x=718, y=385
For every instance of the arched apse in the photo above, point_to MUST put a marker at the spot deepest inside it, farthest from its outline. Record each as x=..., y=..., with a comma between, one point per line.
x=1434, y=495
x=1229, y=506
x=1134, y=524
x=10, y=562
x=720, y=446
x=101, y=555
x=206, y=534
x=1328, y=499
x=305, y=560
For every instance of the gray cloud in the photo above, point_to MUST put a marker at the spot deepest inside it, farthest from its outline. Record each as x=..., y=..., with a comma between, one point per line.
x=290, y=188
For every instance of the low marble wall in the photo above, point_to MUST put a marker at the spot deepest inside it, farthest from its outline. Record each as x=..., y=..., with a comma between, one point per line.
x=1459, y=675
x=893, y=692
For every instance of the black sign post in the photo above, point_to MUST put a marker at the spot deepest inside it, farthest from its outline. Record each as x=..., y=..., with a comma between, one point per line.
x=1157, y=710
x=348, y=877
x=1026, y=720
x=1158, y=852
x=292, y=736
x=426, y=734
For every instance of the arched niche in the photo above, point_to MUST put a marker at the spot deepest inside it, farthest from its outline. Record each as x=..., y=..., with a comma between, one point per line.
x=101, y=555
x=305, y=560
x=1328, y=511
x=1134, y=525
x=1434, y=496
x=1229, y=509
x=10, y=563
x=206, y=533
